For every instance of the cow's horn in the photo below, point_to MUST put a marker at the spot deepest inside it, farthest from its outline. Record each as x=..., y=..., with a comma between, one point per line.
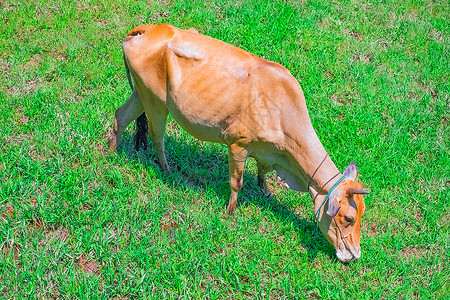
x=352, y=191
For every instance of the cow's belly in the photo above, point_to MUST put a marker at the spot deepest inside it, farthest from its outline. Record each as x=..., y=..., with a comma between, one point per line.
x=197, y=119
x=205, y=115
x=200, y=130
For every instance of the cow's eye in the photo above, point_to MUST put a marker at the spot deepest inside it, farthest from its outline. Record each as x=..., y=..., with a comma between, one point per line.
x=348, y=219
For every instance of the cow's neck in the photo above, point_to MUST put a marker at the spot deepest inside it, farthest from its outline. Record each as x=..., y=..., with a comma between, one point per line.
x=311, y=163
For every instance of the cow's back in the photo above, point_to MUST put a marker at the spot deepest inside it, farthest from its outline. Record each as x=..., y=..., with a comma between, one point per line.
x=214, y=90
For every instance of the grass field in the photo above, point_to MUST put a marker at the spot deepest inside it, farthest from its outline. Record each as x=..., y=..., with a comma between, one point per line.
x=79, y=222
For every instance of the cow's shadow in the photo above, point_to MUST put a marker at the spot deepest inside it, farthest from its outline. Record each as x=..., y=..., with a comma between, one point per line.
x=191, y=164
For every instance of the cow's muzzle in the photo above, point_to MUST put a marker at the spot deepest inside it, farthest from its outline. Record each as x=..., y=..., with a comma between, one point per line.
x=347, y=256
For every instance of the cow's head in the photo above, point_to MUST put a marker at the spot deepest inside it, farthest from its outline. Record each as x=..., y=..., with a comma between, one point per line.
x=341, y=222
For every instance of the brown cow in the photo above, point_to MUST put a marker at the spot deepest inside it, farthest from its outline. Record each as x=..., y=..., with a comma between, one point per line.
x=223, y=94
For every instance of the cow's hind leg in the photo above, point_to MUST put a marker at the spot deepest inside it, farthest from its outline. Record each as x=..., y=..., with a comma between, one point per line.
x=236, y=161
x=157, y=119
x=124, y=115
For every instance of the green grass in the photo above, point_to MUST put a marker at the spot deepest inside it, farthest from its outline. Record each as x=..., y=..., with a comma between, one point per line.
x=78, y=222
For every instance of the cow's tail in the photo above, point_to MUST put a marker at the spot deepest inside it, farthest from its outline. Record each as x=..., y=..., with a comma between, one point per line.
x=140, y=138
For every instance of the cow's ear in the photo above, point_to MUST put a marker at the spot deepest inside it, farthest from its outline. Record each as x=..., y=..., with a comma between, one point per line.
x=351, y=171
x=333, y=204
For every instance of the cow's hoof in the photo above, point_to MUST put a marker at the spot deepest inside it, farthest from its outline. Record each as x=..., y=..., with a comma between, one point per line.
x=231, y=209
x=112, y=142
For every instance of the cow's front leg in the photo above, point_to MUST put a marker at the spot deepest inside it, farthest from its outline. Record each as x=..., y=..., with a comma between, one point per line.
x=262, y=171
x=236, y=161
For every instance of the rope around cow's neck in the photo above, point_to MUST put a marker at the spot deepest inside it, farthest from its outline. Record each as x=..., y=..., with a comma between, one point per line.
x=317, y=213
